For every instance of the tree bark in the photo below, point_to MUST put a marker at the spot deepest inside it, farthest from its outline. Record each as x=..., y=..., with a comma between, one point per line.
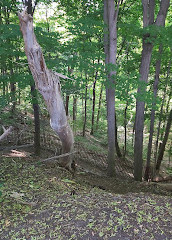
x=148, y=20
x=118, y=152
x=140, y=107
x=74, y=108
x=162, y=148
x=125, y=128
x=67, y=105
x=99, y=107
x=35, y=105
x=152, y=118
x=110, y=48
x=93, y=108
x=85, y=111
x=161, y=112
x=48, y=84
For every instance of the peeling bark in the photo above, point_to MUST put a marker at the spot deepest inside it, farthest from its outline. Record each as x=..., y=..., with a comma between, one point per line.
x=48, y=84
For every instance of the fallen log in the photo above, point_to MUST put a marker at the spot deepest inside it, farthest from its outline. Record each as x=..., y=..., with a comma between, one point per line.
x=6, y=132
x=57, y=157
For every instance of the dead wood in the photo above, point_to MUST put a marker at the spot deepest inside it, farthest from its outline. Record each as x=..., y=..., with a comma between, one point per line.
x=57, y=157
x=48, y=84
x=6, y=132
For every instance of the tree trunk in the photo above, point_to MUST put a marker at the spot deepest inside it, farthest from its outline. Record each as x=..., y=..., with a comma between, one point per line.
x=165, y=119
x=162, y=148
x=140, y=107
x=133, y=132
x=99, y=107
x=48, y=84
x=161, y=112
x=94, y=101
x=67, y=105
x=148, y=20
x=110, y=48
x=93, y=108
x=152, y=118
x=74, y=108
x=13, y=92
x=125, y=128
x=85, y=111
x=118, y=152
x=35, y=105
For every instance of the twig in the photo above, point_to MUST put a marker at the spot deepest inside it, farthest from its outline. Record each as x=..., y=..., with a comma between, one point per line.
x=57, y=157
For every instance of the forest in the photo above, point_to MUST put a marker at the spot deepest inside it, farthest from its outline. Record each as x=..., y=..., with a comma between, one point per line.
x=85, y=119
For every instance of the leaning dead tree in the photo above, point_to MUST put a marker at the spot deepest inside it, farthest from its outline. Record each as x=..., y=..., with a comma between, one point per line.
x=48, y=84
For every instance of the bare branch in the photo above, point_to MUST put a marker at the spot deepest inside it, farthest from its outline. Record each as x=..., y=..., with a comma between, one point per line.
x=6, y=132
x=57, y=157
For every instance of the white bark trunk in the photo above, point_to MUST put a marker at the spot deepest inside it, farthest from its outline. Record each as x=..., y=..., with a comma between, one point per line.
x=48, y=84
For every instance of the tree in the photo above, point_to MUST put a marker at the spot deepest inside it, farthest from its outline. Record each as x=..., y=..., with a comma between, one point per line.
x=48, y=84
x=148, y=21
x=110, y=48
x=162, y=147
x=152, y=118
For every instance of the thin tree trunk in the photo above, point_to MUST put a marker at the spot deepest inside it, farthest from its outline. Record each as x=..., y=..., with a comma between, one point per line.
x=48, y=84
x=99, y=107
x=118, y=152
x=133, y=132
x=67, y=105
x=13, y=91
x=35, y=105
x=93, y=108
x=19, y=96
x=160, y=116
x=125, y=129
x=162, y=148
x=85, y=111
x=164, y=122
x=148, y=20
x=94, y=101
x=152, y=118
x=74, y=108
x=3, y=82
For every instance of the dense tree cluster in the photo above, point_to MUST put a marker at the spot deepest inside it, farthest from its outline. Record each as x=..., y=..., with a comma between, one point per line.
x=117, y=55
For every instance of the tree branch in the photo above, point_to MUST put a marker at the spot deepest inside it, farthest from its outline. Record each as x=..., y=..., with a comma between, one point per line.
x=57, y=157
x=6, y=132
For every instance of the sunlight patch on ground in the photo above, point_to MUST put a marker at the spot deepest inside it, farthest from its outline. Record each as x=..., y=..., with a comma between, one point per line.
x=15, y=153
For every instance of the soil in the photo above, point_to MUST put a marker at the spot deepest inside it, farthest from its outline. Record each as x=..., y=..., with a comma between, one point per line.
x=44, y=201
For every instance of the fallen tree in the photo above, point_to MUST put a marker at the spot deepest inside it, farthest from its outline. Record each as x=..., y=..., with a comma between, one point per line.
x=6, y=132
x=48, y=84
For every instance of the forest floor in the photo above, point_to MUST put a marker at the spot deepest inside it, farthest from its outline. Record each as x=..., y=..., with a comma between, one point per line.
x=44, y=201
